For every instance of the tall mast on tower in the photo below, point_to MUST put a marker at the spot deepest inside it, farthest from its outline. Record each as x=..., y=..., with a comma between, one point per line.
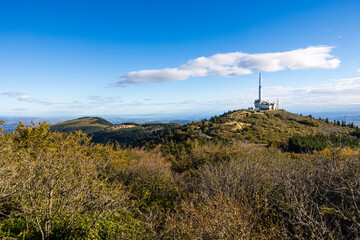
x=260, y=86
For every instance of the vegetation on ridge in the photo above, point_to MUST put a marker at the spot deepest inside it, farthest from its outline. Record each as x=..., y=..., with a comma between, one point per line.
x=102, y=131
x=87, y=125
x=281, y=129
x=197, y=181
x=271, y=128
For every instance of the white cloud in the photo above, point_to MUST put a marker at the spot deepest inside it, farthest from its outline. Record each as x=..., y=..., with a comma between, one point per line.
x=358, y=70
x=26, y=98
x=335, y=94
x=94, y=100
x=237, y=63
x=98, y=98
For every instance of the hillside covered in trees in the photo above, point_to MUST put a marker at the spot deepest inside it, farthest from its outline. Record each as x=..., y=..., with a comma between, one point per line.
x=281, y=129
x=103, y=131
x=242, y=175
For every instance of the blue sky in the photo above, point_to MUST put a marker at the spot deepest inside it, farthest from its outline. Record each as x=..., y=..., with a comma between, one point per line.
x=75, y=58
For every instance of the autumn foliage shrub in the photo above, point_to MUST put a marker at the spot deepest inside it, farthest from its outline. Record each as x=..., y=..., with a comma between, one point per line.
x=267, y=194
x=62, y=186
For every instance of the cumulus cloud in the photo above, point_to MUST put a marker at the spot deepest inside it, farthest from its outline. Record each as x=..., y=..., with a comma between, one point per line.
x=237, y=63
x=333, y=95
x=26, y=98
x=341, y=92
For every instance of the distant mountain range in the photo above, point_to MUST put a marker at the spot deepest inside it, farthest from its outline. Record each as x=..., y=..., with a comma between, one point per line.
x=12, y=122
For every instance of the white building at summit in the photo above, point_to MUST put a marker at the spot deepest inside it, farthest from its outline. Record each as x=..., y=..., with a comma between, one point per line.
x=261, y=104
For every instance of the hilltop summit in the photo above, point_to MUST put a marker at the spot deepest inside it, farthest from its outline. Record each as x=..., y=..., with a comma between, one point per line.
x=270, y=128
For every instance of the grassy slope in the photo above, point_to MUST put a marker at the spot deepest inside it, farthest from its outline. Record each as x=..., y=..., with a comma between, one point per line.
x=87, y=125
x=272, y=127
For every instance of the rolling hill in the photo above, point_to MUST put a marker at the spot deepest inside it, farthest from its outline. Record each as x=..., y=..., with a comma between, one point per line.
x=103, y=131
x=271, y=128
x=88, y=125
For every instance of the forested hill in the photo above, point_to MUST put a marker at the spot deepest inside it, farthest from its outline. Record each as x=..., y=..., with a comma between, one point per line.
x=87, y=125
x=278, y=128
x=103, y=131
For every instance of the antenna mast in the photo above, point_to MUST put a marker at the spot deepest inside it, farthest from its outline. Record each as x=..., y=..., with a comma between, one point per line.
x=260, y=87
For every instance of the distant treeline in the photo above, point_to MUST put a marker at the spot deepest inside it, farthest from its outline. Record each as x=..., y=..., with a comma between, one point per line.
x=130, y=136
x=318, y=142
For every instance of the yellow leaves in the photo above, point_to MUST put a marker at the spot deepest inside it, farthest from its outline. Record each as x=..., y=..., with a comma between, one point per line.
x=2, y=129
x=328, y=210
x=326, y=152
x=339, y=153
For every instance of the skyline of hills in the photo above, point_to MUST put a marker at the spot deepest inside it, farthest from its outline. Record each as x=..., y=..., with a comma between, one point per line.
x=12, y=122
x=276, y=128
